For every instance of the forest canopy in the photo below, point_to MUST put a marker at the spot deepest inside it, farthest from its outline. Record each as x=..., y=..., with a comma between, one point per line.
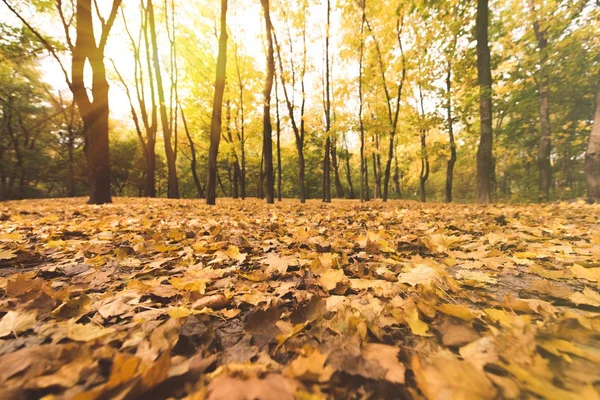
x=418, y=99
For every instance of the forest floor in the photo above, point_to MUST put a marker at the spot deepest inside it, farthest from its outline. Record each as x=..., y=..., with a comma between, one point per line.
x=170, y=299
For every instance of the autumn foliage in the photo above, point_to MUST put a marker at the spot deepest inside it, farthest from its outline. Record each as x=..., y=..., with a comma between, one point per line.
x=173, y=299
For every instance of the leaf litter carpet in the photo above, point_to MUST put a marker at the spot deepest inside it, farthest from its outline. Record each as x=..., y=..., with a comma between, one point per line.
x=174, y=299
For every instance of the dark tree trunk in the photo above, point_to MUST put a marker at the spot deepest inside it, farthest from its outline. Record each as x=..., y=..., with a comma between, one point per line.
x=172, y=183
x=397, y=178
x=424, y=174
x=267, y=128
x=278, y=143
x=193, y=159
x=94, y=112
x=348, y=169
x=364, y=184
x=339, y=190
x=215, y=123
x=545, y=145
x=327, y=152
x=451, y=142
x=241, y=133
x=235, y=164
x=298, y=132
x=484, y=75
x=592, y=157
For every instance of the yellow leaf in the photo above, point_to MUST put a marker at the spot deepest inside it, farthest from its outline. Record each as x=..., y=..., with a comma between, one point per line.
x=590, y=274
x=457, y=310
x=10, y=237
x=418, y=327
x=330, y=278
x=7, y=254
x=179, y=312
x=15, y=323
x=310, y=367
x=195, y=285
x=86, y=332
x=443, y=376
x=588, y=297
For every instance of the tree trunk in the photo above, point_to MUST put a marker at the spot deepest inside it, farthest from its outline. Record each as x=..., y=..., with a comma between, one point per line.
x=545, y=146
x=364, y=184
x=193, y=160
x=215, y=123
x=451, y=142
x=172, y=184
x=94, y=113
x=348, y=170
x=484, y=75
x=592, y=157
x=339, y=190
x=241, y=132
x=397, y=177
x=326, y=154
x=424, y=174
x=278, y=144
x=267, y=128
x=236, y=164
x=298, y=132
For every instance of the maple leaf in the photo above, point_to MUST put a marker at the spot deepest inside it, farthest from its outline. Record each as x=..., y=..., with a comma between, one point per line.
x=17, y=322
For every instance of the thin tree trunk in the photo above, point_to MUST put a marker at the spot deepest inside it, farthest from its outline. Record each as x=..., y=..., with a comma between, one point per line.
x=236, y=164
x=452, y=143
x=278, y=144
x=545, y=144
x=592, y=157
x=364, y=184
x=339, y=190
x=397, y=177
x=298, y=132
x=484, y=75
x=172, y=184
x=241, y=132
x=215, y=123
x=267, y=128
x=326, y=154
x=348, y=170
x=193, y=159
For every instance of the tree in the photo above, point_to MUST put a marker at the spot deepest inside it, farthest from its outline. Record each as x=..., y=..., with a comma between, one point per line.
x=327, y=108
x=364, y=181
x=592, y=157
x=94, y=111
x=484, y=75
x=267, y=128
x=173, y=186
x=149, y=120
x=215, y=122
x=299, y=131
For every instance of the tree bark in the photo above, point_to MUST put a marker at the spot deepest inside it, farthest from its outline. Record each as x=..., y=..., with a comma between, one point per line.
x=545, y=144
x=326, y=153
x=172, y=183
x=193, y=159
x=364, y=184
x=298, y=132
x=241, y=133
x=215, y=122
x=484, y=75
x=592, y=157
x=348, y=169
x=267, y=128
x=451, y=142
x=278, y=124
x=339, y=190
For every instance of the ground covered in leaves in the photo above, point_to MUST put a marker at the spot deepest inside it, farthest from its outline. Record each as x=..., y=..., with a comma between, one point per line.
x=174, y=299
